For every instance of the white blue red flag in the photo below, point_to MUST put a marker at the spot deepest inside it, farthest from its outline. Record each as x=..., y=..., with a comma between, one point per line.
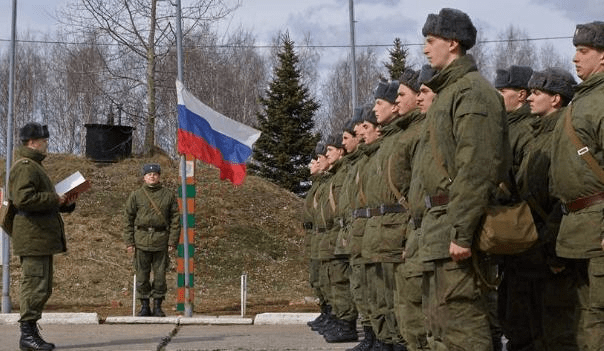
x=212, y=137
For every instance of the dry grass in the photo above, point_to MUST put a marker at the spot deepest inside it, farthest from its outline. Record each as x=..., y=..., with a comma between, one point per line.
x=253, y=228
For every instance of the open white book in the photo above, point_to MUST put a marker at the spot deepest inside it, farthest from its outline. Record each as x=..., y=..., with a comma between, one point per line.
x=75, y=183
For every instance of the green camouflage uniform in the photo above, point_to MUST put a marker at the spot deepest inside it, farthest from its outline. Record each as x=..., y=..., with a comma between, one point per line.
x=309, y=226
x=38, y=230
x=324, y=224
x=537, y=307
x=520, y=132
x=358, y=276
x=581, y=233
x=151, y=234
x=465, y=155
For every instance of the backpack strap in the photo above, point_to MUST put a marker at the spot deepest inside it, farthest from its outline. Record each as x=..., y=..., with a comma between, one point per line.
x=582, y=149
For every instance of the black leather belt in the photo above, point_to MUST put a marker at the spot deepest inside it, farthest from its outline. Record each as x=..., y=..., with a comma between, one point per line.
x=150, y=228
x=381, y=210
x=321, y=230
x=35, y=213
x=436, y=200
x=582, y=202
x=307, y=225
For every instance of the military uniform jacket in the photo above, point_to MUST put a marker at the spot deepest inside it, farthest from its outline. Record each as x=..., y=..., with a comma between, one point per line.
x=521, y=132
x=38, y=228
x=345, y=201
x=319, y=223
x=465, y=155
x=140, y=215
x=308, y=215
x=388, y=175
x=534, y=184
x=360, y=201
x=581, y=232
x=329, y=209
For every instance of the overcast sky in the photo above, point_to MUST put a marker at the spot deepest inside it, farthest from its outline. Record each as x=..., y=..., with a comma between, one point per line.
x=378, y=21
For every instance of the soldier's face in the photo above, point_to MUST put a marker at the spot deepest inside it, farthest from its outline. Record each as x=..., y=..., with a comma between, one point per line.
x=424, y=98
x=384, y=111
x=405, y=99
x=151, y=178
x=313, y=168
x=40, y=145
x=588, y=61
x=368, y=132
x=439, y=51
x=512, y=98
x=322, y=163
x=542, y=103
x=350, y=142
x=333, y=154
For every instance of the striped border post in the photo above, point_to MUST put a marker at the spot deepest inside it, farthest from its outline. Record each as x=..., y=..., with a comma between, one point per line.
x=181, y=295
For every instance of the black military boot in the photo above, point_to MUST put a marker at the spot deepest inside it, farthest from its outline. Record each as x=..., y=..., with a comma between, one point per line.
x=30, y=338
x=325, y=311
x=381, y=346
x=345, y=331
x=157, y=312
x=145, y=310
x=329, y=323
x=368, y=341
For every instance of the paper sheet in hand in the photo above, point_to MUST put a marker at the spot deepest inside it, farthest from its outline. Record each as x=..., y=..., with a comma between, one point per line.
x=75, y=183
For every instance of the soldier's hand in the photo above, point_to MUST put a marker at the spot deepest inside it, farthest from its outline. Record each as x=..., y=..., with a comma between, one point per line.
x=459, y=253
x=130, y=249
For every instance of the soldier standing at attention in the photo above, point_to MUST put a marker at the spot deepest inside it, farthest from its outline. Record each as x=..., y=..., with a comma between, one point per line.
x=152, y=232
x=577, y=161
x=38, y=230
x=465, y=154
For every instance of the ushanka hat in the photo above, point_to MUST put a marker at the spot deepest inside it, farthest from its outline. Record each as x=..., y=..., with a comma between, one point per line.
x=386, y=91
x=369, y=114
x=320, y=149
x=409, y=79
x=349, y=126
x=151, y=167
x=451, y=24
x=425, y=74
x=590, y=34
x=334, y=140
x=513, y=77
x=554, y=81
x=33, y=130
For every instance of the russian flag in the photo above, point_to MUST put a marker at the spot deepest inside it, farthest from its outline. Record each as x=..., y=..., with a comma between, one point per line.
x=212, y=137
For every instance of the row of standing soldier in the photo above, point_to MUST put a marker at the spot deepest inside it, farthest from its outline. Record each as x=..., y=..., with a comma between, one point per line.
x=398, y=197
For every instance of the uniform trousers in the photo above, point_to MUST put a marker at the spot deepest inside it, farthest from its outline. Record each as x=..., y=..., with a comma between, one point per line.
x=381, y=286
x=314, y=269
x=456, y=309
x=590, y=287
x=409, y=314
x=358, y=290
x=36, y=286
x=144, y=263
x=343, y=304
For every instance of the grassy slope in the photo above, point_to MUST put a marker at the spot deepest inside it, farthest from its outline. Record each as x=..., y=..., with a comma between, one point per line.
x=253, y=228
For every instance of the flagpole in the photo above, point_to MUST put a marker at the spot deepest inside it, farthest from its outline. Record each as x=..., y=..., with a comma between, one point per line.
x=183, y=173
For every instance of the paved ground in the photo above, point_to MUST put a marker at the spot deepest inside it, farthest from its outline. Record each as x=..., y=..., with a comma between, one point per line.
x=187, y=337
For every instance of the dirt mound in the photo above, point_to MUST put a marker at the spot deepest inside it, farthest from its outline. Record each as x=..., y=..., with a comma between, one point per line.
x=253, y=228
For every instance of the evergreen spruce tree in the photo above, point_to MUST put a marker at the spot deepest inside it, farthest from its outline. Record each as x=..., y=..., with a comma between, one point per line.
x=398, y=59
x=285, y=147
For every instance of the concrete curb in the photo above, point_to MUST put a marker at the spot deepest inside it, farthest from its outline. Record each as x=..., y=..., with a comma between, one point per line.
x=203, y=320
x=284, y=318
x=53, y=318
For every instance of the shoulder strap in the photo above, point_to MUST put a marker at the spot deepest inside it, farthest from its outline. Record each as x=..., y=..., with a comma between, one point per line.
x=582, y=150
x=438, y=157
x=154, y=205
x=399, y=197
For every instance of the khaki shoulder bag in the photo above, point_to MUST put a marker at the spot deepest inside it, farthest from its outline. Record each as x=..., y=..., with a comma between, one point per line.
x=7, y=209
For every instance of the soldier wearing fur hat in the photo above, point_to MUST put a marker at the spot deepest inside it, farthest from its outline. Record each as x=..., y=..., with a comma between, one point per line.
x=385, y=185
x=38, y=232
x=152, y=230
x=577, y=181
x=531, y=317
x=465, y=155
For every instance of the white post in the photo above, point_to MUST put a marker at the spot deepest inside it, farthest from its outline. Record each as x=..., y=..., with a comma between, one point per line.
x=134, y=296
x=243, y=293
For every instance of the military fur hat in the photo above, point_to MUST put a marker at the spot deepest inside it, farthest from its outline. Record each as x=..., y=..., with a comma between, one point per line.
x=151, y=167
x=590, y=34
x=33, y=130
x=369, y=114
x=357, y=116
x=425, y=74
x=513, y=77
x=409, y=79
x=386, y=91
x=334, y=140
x=451, y=24
x=554, y=81
x=349, y=126
x=320, y=149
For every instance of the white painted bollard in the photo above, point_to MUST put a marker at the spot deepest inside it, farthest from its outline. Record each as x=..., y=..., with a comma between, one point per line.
x=243, y=293
x=134, y=297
